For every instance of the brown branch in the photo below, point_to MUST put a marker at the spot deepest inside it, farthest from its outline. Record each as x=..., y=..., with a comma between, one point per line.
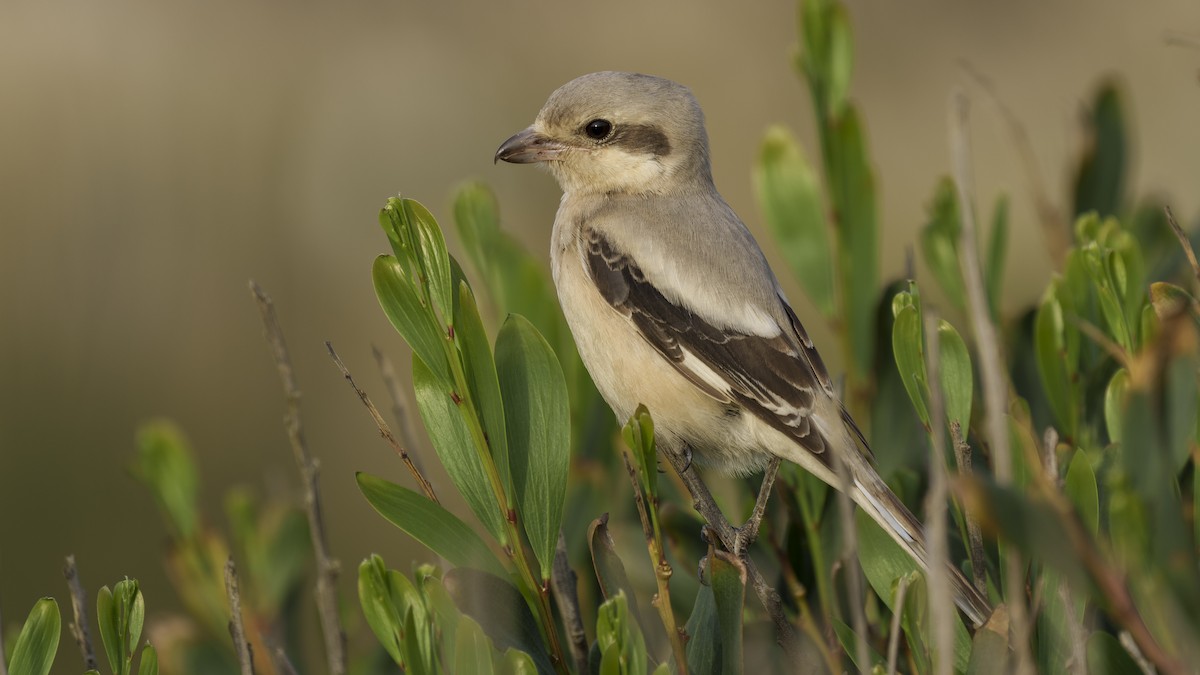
x=566, y=596
x=236, y=630
x=962, y=457
x=703, y=502
x=991, y=365
x=941, y=606
x=400, y=416
x=384, y=430
x=1184, y=242
x=327, y=567
x=279, y=658
x=79, y=625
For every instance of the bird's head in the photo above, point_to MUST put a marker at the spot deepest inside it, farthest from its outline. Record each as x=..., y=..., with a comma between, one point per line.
x=620, y=133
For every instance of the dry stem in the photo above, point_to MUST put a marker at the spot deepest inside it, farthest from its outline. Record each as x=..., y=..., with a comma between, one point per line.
x=566, y=596
x=79, y=625
x=941, y=606
x=387, y=373
x=962, y=457
x=384, y=430
x=894, y=632
x=1184, y=242
x=236, y=630
x=327, y=567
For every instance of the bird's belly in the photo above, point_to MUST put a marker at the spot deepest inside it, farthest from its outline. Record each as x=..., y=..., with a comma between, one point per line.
x=628, y=371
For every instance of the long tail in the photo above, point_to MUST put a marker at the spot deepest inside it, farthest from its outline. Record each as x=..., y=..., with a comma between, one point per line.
x=873, y=496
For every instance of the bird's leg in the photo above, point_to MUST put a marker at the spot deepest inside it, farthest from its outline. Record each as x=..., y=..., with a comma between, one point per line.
x=745, y=535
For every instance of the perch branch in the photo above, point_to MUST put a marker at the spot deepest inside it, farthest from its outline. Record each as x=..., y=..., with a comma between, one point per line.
x=79, y=625
x=236, y=630
x=384, y=430
x=327, y=567
x=995, y=388
x=387, y=372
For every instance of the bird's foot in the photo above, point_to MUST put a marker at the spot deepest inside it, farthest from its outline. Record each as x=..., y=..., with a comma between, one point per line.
x=745, y=535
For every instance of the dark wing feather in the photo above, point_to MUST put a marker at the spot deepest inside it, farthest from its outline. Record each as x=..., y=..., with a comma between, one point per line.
x=776, y=378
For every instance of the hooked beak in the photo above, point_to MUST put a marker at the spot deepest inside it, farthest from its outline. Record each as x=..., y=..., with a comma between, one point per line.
x=528, y=147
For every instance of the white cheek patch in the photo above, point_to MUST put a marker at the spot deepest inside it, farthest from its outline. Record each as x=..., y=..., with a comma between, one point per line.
x=610, y=169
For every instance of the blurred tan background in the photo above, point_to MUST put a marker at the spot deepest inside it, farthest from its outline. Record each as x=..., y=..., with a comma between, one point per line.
x=154, y=156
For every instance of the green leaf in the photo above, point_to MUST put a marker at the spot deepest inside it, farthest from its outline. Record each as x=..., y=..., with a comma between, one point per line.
x=728, y=578
x=1055, y=363
x=148, y=664
x=639, y=437
x=501, y=610
x=989, y=647
x=848, y=639
x=703, y=647
x=383, y=604
x=538, y=418
x=480, y=369
x=164, y=464
x=1115, y=396
x=619, y=639
x=517, y=663
x=472, y=650
x=1106, y=656
x=446, y=424
x=106, y=621
x=37, y=643
x=997, y=250
x=790, y=198
x=409, y=315
x=418, y=639
x=958, y=382
x=852, y=186
x=435, y=527
x=610, y=570
x=1100, y=179
x=939, y=242
x=1080, y=487
x=908, y=346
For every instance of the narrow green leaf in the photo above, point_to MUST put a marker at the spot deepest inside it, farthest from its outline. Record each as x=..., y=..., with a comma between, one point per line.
x=418, y=639
x=639, y=437
x=704, y=640
x=958, y=381
x=538, y=418
x=841, y=59
x=1080, y=487
x=435, y=260
x=1054, y=362
x=480, y=369
x=148, y=664
x=472, y=650
x=517, y=663
x=164, y=464
x=728, y=578
x=939, y=242
x=1115, y=396
x=442, y=606
x=107, y=622
x=1180, y=401
x=446, y=425
x=989, y=648
x=131, y=611
x=435, y=527
x=619, y=639
x=848, y=639
x=37, y=643
x=610, y=570
x=501, y=610
x=908, y=347
x=409, y=315
x=1100, y=179
x=383, y=605
x=790, y=198
x=1106, y=656
x=852, y=186
x=997, y=250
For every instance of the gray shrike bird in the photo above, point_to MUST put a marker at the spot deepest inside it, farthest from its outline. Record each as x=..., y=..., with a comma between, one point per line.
x=673, y=305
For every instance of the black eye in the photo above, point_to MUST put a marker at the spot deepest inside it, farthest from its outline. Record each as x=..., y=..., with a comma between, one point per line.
x=598, y=129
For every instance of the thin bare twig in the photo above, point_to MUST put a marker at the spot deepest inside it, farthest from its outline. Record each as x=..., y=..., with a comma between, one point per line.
x=1055, y=227
x=327, y=567
x=1103, y=341
x=566, y=596
x=854, y=580
x=79, y=624
x=893, y=651
x=384, y=430
x=279, y=658
x=748, y=532
x=703, y=502
x=962, y=457
x=387, y=372
x=991, y=366
x=236, y=630
x=941, y=606
x=1184, y=242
